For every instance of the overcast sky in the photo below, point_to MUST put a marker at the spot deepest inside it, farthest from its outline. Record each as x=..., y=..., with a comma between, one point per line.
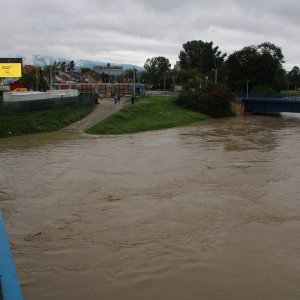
x=130, y=31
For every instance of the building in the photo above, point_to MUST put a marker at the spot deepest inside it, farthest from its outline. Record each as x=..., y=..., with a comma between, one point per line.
x=177, y=66
x=71, y=76
x=28, y=68
x=109, y=70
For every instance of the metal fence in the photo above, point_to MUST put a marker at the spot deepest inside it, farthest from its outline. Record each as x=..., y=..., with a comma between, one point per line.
x=273, y=95
x=9, y=283
x=162, y=93
x=7, y=108
x=103, y=89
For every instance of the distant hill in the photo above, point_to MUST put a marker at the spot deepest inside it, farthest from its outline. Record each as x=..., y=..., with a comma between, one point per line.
x=42, y=60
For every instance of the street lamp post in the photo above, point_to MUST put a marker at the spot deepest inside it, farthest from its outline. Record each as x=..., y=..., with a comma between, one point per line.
x=248, y=89
x=50, y=78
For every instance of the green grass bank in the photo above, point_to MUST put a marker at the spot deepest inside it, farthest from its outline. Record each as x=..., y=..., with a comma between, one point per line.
x=148, y=113
x=41, y=121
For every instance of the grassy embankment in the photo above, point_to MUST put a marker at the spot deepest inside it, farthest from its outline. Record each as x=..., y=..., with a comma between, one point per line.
x=148, y=113
x=290, y=93
x=41, y=121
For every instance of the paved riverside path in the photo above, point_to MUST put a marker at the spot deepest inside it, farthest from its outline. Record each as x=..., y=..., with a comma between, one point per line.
x=103, y=110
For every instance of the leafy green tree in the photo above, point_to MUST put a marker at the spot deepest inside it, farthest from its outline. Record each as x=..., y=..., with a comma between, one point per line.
x=63, y=66
x=201, y=56
x=158, y=65
x=259, y=65
x=294, y=77
x=145, y=77
x=50, y=71
x=186, y=74
x=129, y=74
x=56, y=65
x=214, y=100
x=71, y=66
x=34, y=80
x=157, y=68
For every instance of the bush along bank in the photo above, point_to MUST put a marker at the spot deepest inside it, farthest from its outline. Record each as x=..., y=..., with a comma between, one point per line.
x=214, y=100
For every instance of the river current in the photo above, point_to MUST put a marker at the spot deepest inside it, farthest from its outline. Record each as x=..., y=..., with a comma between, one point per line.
x=206, y=211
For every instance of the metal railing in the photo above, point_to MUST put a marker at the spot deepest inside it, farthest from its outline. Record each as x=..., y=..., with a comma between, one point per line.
x=7, y=108
x=9, y=283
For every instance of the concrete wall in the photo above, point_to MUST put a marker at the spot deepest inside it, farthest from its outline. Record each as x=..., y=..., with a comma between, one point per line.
x=31, y=95
x=238, y=107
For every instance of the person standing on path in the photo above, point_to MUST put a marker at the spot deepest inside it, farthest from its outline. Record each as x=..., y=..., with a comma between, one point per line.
x=96, y=99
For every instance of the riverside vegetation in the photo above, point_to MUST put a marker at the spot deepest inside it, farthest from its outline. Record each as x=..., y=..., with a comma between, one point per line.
x=41, y=121
x=213, y=99
x=148, y=113
x=151, y=113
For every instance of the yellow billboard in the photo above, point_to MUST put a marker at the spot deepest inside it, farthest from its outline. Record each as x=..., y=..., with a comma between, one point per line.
x=10, y=67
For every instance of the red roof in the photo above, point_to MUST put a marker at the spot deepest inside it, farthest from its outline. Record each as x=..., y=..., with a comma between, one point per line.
x=28, y=68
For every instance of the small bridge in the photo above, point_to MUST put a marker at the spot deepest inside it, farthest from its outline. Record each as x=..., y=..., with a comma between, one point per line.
x=271, y=105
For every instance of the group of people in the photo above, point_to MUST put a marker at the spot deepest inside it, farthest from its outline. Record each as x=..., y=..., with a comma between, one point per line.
x=117, y=99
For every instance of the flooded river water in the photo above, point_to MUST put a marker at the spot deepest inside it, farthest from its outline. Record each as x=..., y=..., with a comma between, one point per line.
x=206, y=211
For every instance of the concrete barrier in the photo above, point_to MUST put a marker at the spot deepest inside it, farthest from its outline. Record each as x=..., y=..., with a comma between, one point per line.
x=32, y=95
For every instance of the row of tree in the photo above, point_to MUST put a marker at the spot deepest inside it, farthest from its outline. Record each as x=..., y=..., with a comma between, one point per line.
x=258, y=67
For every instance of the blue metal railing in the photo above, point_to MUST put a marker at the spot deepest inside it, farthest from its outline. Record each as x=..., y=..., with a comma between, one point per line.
x=273, y=95
x=9, y=284
x=274, y=105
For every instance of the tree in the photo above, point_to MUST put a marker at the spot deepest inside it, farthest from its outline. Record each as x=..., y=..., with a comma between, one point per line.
x=186, y=74
x=294, y=77
x=34, y=80
x=241, y=67
x=157, y=67
x=215, y=100
x=201, y=56
x=71, y=66
x=63, y=66
x=259, y=65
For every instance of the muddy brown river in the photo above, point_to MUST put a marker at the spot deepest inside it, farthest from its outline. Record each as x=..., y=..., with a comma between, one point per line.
x=207, y=211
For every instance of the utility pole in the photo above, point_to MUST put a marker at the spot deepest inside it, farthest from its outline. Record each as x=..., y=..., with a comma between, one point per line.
x=216, y=75
x=173, y=83
x=36, y=79
x=133, y=81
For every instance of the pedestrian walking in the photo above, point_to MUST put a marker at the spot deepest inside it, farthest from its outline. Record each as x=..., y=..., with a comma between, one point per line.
x=119, y=98
x=96, y=99
x=116, y=99
x=132, y=100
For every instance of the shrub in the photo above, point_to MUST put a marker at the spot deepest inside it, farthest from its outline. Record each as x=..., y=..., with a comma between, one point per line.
x=215, y=103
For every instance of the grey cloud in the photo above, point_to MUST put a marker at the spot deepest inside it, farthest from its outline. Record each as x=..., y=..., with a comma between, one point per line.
x=132, y=31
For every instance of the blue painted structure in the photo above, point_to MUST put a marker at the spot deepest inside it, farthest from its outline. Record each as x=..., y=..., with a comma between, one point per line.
x=140, y=89
x=9, y=284
x=271, y=105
